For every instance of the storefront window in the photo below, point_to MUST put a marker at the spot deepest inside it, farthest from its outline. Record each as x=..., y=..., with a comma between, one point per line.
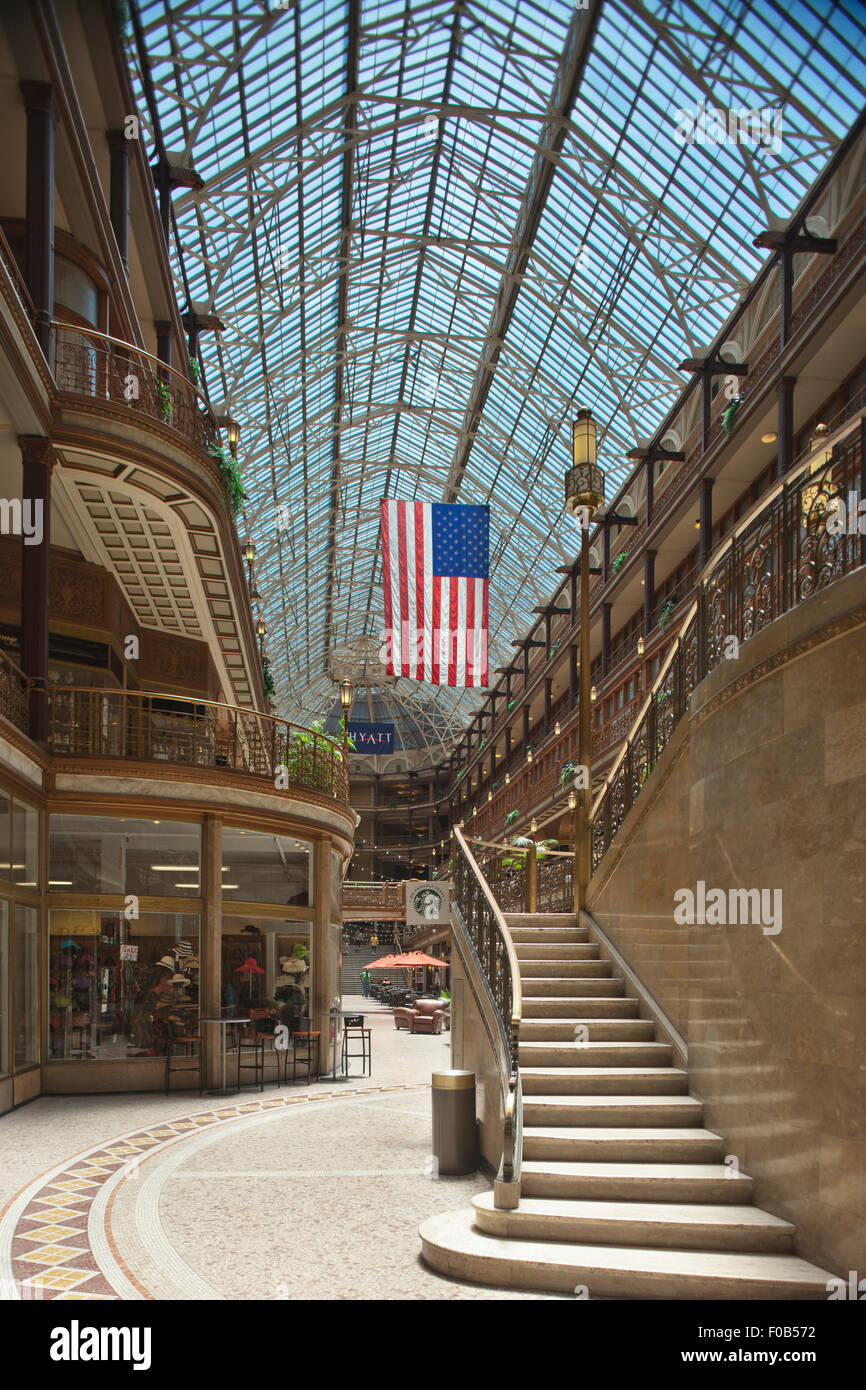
x=5, y=836
x=25, y=962
x=120, y=987
x=264, y=868
x=266, y=972
x=104, y=854
x=25, y=845
x=4, y=988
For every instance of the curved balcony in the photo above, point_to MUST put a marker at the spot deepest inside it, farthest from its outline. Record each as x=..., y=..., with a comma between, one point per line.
x=149, y=727
x=105, y=369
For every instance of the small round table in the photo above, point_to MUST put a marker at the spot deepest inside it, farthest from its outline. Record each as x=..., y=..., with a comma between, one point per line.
x=224, y=1023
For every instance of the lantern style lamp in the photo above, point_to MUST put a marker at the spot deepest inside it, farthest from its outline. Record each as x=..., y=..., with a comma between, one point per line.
x=584, y=481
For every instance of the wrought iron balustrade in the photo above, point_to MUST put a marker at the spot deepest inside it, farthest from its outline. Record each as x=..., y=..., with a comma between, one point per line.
x=151, y=727
x=14, y=694
x=91, y=364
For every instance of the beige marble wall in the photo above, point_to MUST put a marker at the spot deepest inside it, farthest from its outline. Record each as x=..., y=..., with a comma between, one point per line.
x=771, y=770
x=471, y=1050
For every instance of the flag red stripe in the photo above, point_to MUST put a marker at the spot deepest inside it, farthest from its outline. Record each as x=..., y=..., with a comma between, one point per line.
x=386, y=584
x=421, y=645
x=485, y=675
x=452, y=630
x=470, y=630
x=404, y=587
x=434, y=618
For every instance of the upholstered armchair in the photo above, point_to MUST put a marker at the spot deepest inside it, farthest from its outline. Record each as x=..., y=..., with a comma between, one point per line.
x=403, y=1018
x=426, y=1016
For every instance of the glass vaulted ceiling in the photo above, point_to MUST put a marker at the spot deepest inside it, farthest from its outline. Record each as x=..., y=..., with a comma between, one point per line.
x=413, y=309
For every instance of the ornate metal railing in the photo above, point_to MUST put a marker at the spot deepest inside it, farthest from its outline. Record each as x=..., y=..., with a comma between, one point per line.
x=92, y=364
x=782, y=554
x=481, y=928
x=14, y=694
x=156, y=727
x=359, y=894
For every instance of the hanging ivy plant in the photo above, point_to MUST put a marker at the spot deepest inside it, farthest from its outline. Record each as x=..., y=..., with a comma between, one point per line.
x=619, y=560
x=512, y=816
x=566, y=776
x=163, y=396
x=270, y=688
x=730, y=414
x=666, y=614
x=195, y=370
x=511, y=704
x=230, y=477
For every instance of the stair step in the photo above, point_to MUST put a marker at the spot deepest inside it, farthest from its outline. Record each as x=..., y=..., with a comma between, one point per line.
x=632, y=1081
x=641, y=1182
x=597, y=1030
x=548, y=934
x=663, y=1225
x=598, y=987
x=594, y=1054
x=621, y=1144
x=541, y=919
x=553, y=1006
x=545, y=1110
x=555, y=950
x=452, y=1245
x=562, y=969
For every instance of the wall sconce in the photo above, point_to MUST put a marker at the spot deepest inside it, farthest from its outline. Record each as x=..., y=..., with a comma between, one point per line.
x=249, y=552
x=489, y=795
x=261, y=630
x=507, y=778
x=346, y=693
x=572, y=801
x=641, y=646
x=592, y=694
x=529, y=755
x=557, y=729
x=533, y=826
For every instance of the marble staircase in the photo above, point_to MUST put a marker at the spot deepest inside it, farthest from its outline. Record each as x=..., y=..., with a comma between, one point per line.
x=624, y=1193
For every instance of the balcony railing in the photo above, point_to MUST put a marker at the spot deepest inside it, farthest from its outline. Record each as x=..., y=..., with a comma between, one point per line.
x=149, y=727
x=358, y=894
x=101, y=368
x=14, y=694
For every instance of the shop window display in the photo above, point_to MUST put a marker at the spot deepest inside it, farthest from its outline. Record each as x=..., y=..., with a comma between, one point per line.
x=25, y=948
x=4, y=988
x=19, y=842
x=266, y=973
x=120, y=988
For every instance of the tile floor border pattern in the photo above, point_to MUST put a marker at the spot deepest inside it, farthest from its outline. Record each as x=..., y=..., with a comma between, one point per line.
x=55, y=1241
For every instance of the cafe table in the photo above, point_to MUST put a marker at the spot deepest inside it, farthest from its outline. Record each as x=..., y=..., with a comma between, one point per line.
x=224, y=1023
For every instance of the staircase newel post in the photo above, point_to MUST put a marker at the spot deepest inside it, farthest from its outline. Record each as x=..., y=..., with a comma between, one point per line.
x=532, y=879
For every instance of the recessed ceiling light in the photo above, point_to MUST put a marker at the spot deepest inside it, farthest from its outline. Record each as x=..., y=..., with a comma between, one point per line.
x=770, y=437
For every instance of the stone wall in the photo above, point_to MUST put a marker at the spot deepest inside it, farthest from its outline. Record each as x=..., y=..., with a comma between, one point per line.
x=764, y=787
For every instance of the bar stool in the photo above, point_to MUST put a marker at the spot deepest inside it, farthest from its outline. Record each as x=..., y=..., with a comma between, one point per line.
x=365, y=1037
x=257, y=1046
x=173, y=1048
x=305, y=1042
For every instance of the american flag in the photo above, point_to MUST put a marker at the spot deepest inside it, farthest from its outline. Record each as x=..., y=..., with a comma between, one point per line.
x=435, y=559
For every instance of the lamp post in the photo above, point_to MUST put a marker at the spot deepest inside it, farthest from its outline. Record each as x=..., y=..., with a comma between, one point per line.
x=346, y=696
x=584, y=494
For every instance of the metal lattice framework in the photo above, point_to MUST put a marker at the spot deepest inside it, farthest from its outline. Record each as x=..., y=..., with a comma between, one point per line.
x=431, y=229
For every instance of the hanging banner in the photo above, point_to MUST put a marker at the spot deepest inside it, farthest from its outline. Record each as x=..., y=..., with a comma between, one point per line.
x=371, y=738
x=427, y=903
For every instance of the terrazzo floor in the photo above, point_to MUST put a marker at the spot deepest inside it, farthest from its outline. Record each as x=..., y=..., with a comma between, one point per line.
x=305, y=1192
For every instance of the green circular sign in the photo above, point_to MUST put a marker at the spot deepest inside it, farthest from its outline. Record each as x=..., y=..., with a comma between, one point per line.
x=427, y=902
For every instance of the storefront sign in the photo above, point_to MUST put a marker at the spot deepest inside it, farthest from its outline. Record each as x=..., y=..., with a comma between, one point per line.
x=129, y=953
x=427, y=904
x=371, y=738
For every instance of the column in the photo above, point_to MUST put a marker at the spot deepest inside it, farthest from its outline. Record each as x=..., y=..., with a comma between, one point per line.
x=508, y=738
x=39, y=231
x=321, y=951
x=605, y=638
x=706, y=517
x=649, y=475
x=164, y=341
x=706, y=407
x=785, y=446
x=649, y=587
x=548, y=690
x=606, y=561
x=210, y=947
x=525, y=729
x=119, y=192
x=37, y=458
x=572, y=674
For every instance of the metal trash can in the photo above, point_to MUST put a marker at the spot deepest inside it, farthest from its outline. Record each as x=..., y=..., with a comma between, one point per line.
x=455, y=1139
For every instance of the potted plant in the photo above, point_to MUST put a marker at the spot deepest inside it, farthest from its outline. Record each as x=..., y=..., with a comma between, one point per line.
x=729, y=414
x=512, y=816
x=666, y=614
x=566, y=776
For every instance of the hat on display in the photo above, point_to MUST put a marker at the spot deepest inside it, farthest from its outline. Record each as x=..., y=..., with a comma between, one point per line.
x=190, y=962
x=183, y=948
x=180, y=980
x=250, y=967
x=69, y=945
x=281, y=981
x=167, y=962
